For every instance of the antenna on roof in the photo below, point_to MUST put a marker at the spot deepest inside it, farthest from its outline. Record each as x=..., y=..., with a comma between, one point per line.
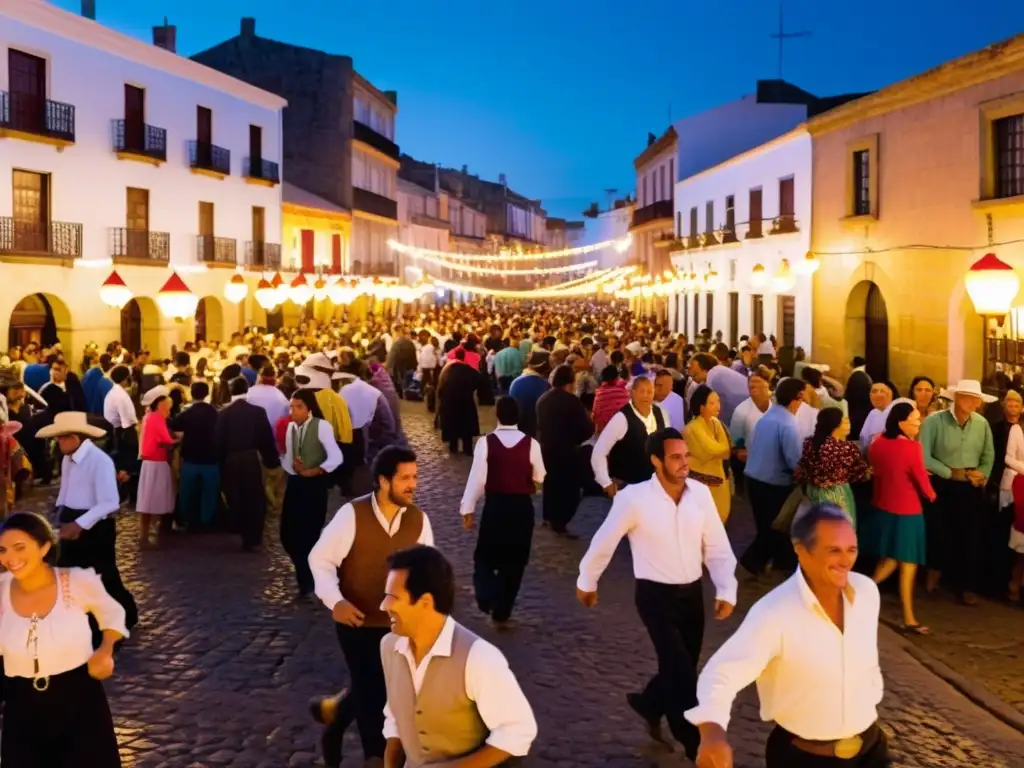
x=782, y=36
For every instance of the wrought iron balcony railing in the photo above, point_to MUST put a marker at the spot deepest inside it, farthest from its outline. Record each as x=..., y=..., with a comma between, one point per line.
x=58, y=239
x=141, y=139
x=28, y=113
x=140, y=244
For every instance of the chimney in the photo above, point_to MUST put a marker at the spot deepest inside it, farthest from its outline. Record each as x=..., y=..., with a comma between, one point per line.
x=651, y=138
x=89, y=9
x=502, y=180
x=248, y=27
x=166, y=37
x=465, y=170
x=437, y=179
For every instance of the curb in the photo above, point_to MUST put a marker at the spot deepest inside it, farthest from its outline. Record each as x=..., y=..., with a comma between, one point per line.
x=978, y=694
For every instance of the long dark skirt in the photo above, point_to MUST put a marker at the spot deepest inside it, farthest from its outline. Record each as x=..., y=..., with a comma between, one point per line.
x=66, y=726
x=302, y=519
x=241, y=480
x=502, y=552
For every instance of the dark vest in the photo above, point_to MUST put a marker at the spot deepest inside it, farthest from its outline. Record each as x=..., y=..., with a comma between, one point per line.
x=628, y=460
x=509, y=469
x=364, y=571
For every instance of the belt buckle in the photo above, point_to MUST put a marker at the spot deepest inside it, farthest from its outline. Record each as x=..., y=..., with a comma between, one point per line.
x=40, y=684
x=845, y=749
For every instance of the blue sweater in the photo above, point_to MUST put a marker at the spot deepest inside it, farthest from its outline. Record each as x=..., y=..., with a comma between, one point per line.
x=526, y=391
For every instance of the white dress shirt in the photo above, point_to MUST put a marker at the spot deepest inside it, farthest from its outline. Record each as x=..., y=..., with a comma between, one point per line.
x=669, y=542
x=336, y=541
x=814, y=680
x=270, y=399
x=806, y=420
x=362, y=400
x=477, y=482
x=63, y=638
x=325, y=433
x=675, y=407
x=427, y=359
x=615, y=430
x=118, y=408
x=744, y=419
x=88, y=481
x=490, y=685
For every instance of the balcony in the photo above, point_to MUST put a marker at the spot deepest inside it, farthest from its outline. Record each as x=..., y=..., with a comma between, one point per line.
x=653, y=212
x=784, y=225
x=26, y=116
x=260, y=256
x=216, y=250
x=374, y=270
x=426, y=220
x=209, y=159
x=57, y=240
x=140, y=246
x=364, y=133
x=255, y=170
x=140, y=141
x=370, y=202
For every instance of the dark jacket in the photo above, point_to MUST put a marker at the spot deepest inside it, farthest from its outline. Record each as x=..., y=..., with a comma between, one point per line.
x=456, y=404
x=243, y=427
x=562, y=425
x=402, y=356
x=198, y=423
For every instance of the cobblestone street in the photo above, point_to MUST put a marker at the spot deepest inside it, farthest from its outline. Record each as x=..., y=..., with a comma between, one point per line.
x=224, y=661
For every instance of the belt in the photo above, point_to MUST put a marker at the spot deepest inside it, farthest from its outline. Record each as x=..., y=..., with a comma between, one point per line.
x=844, y=749
x=960, y=475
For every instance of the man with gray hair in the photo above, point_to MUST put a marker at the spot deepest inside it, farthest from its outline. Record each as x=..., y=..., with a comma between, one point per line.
x=820, y=686
x=620, y=452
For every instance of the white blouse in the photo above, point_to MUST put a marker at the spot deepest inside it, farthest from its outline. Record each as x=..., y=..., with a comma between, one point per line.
x=63, y=638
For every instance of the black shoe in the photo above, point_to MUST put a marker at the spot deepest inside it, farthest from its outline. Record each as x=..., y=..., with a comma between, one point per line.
x=652, y=724
x=330, y=743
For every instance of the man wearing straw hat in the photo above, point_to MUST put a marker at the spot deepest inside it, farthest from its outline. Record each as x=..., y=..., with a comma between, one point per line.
x=86, y=505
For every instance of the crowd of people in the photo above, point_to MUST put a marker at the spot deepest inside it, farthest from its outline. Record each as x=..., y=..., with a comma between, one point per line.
x=589, y=399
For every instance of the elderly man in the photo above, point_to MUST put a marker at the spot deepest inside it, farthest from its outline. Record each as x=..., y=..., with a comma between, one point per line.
x=620, y=452
x=959, y=452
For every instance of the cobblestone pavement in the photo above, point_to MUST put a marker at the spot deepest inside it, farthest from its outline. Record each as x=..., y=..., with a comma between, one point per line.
x=222, y=665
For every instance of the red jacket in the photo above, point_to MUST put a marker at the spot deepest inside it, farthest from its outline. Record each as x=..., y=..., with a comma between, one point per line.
x=900, y=478
x=608, y=399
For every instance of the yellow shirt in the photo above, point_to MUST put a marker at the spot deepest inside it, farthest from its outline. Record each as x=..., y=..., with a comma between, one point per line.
x=336, y=414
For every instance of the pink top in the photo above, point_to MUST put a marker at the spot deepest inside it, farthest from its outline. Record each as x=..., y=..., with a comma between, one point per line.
x=472, y=358
x=156, y=438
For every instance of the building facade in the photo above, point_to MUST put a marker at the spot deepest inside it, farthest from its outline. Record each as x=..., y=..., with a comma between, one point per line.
x=423, y=223
x=339, y=135
x=119, y=154
x=912, y=185
x=612, y=224
x=651, y=226
x=746, y=222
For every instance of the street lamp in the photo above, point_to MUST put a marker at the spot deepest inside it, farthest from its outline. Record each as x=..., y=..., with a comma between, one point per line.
x=992, y=285
x=758, y=277
x=266, y=295
x=114, y=293
x=176, y=300
x=235, y=289
x=783, y=280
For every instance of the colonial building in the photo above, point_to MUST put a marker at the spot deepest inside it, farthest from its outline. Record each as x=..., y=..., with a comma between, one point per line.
x=912, y=185
x=651, y=226
x=115, y=153
x=339, y=135
x=423, y=223
x=612, y=224
x=564, y=234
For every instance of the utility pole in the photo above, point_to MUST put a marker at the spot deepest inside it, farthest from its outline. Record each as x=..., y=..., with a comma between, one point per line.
x=782, y=35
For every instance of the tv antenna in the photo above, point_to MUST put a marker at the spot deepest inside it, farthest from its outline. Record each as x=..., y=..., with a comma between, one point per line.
x=782, y=35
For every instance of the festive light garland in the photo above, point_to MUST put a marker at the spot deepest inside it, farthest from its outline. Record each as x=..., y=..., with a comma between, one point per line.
x=591, y=284
x=455, y=266
x=621, y=244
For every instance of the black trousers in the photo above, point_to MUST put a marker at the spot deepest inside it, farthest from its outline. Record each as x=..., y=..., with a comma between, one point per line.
x=241, y=479
x=502, y=552
x=66, y=726
x=561, y=493
x=96, y=548
x=302, y=518
x=954, y=529
x=353, y=455
x=769, y=545
x=124, y=443
x=673, y=615
x=467, y=445
x=367, y=693
x=780, y=752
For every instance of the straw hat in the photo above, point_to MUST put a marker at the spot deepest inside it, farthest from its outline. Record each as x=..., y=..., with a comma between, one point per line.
x=70, y=423
x=971, y=387
x=152, y=394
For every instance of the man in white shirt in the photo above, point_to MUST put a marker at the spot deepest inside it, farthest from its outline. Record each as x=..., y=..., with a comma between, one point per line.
x=86, y=505
x=811, y=644
x=674, y=531
x=267, y=396
x=669, y=399
x=619, y=453
x=451, y=697
x=349, y=566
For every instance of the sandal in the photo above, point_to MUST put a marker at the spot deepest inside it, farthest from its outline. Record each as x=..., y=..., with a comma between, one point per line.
x=915, y=629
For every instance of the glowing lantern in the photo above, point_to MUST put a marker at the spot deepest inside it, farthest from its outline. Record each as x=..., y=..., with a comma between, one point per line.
x=809, y=265
x=713, y=280
x=783, y=280
x=266, y=295
x=235, y=289
x=992, y=285
x=176, y=300
x=280, y=286
x=300, y=290
x=758, y=277
x=320, y=289
x=114, y=293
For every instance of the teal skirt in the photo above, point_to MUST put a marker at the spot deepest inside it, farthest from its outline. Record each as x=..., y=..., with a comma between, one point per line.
x=840, y=495
x=901, y=537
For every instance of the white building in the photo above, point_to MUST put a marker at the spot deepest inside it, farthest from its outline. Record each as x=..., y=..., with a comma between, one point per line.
x=747, y=220
x=119, y=154
x=612, y=224
x=423, y=222
x=651, y=225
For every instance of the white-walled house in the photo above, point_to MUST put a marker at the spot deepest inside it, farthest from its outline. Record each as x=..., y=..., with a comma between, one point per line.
x=752, y=210
x=118, y=154
x=423, y=223
x=612, y=224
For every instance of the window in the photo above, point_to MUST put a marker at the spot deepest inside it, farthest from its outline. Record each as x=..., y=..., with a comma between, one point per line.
x=137, y=223
x=679, y=223
x=786, y=221
x=31, y=219
x=709, y=310
x=757, y=314
x=671, y=178
x=255, y=152
x=709, y=217
x=862, y=181
x=26, y=76
x=308, y=244
x=756, y=214
x=664, y=190
x=644, y=199
x=1009, y=147
x=730, y=214
x=693, y=222
x=686, y=314
x=696, y=313
x=787, y=320
x=336, y=254
x=134, y=117
x=734, y=320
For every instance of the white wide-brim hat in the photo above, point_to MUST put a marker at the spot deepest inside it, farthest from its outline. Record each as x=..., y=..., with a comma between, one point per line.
x=70, y=423
x=970, y=387
x=152, y=394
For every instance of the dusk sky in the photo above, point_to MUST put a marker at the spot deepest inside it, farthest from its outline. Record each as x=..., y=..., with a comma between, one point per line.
x=560, y=95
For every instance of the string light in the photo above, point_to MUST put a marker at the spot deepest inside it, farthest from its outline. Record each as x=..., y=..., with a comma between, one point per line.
x=603, y=280
x=621, y=244
x=456, y=266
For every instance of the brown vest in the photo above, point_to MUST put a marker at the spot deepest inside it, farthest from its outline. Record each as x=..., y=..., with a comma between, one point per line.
x=364, y=571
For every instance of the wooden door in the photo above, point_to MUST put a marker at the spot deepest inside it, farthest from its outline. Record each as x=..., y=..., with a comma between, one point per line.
x=137, y=223
x=709, y=303
x=734, y=320
x=255, y=152
x=757, y=315
x=131, y=326
x=204, y=137
x=787, y=320
x=876, y=335
x=696, y=314
x=756, y=213
x=336, y=254
x=134, y=117
x=27, y=84
x=206, y=231
x=31, y=209
x=308, y=241
x=258, y=235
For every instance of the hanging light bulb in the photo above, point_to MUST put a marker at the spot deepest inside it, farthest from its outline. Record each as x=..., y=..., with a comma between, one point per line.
x=320, y=289
x=114, y=293
x=783, y=280
x=266, y=295
x=713, y=280
x=808, y=265
x=235, y=289
x=300, y=290
x=176, y=300
x=758, y=277
x=281, y=287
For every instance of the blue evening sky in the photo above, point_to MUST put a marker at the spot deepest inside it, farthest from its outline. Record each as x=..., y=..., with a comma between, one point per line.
x=560, y=94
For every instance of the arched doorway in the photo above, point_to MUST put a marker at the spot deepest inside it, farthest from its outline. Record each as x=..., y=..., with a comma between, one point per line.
x=275, y=319
x=40, y=318
x=131, y=326
x=867, y=328
x=209, y=319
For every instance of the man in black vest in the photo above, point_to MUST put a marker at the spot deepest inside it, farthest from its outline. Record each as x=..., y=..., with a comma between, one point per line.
x=620, y=452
